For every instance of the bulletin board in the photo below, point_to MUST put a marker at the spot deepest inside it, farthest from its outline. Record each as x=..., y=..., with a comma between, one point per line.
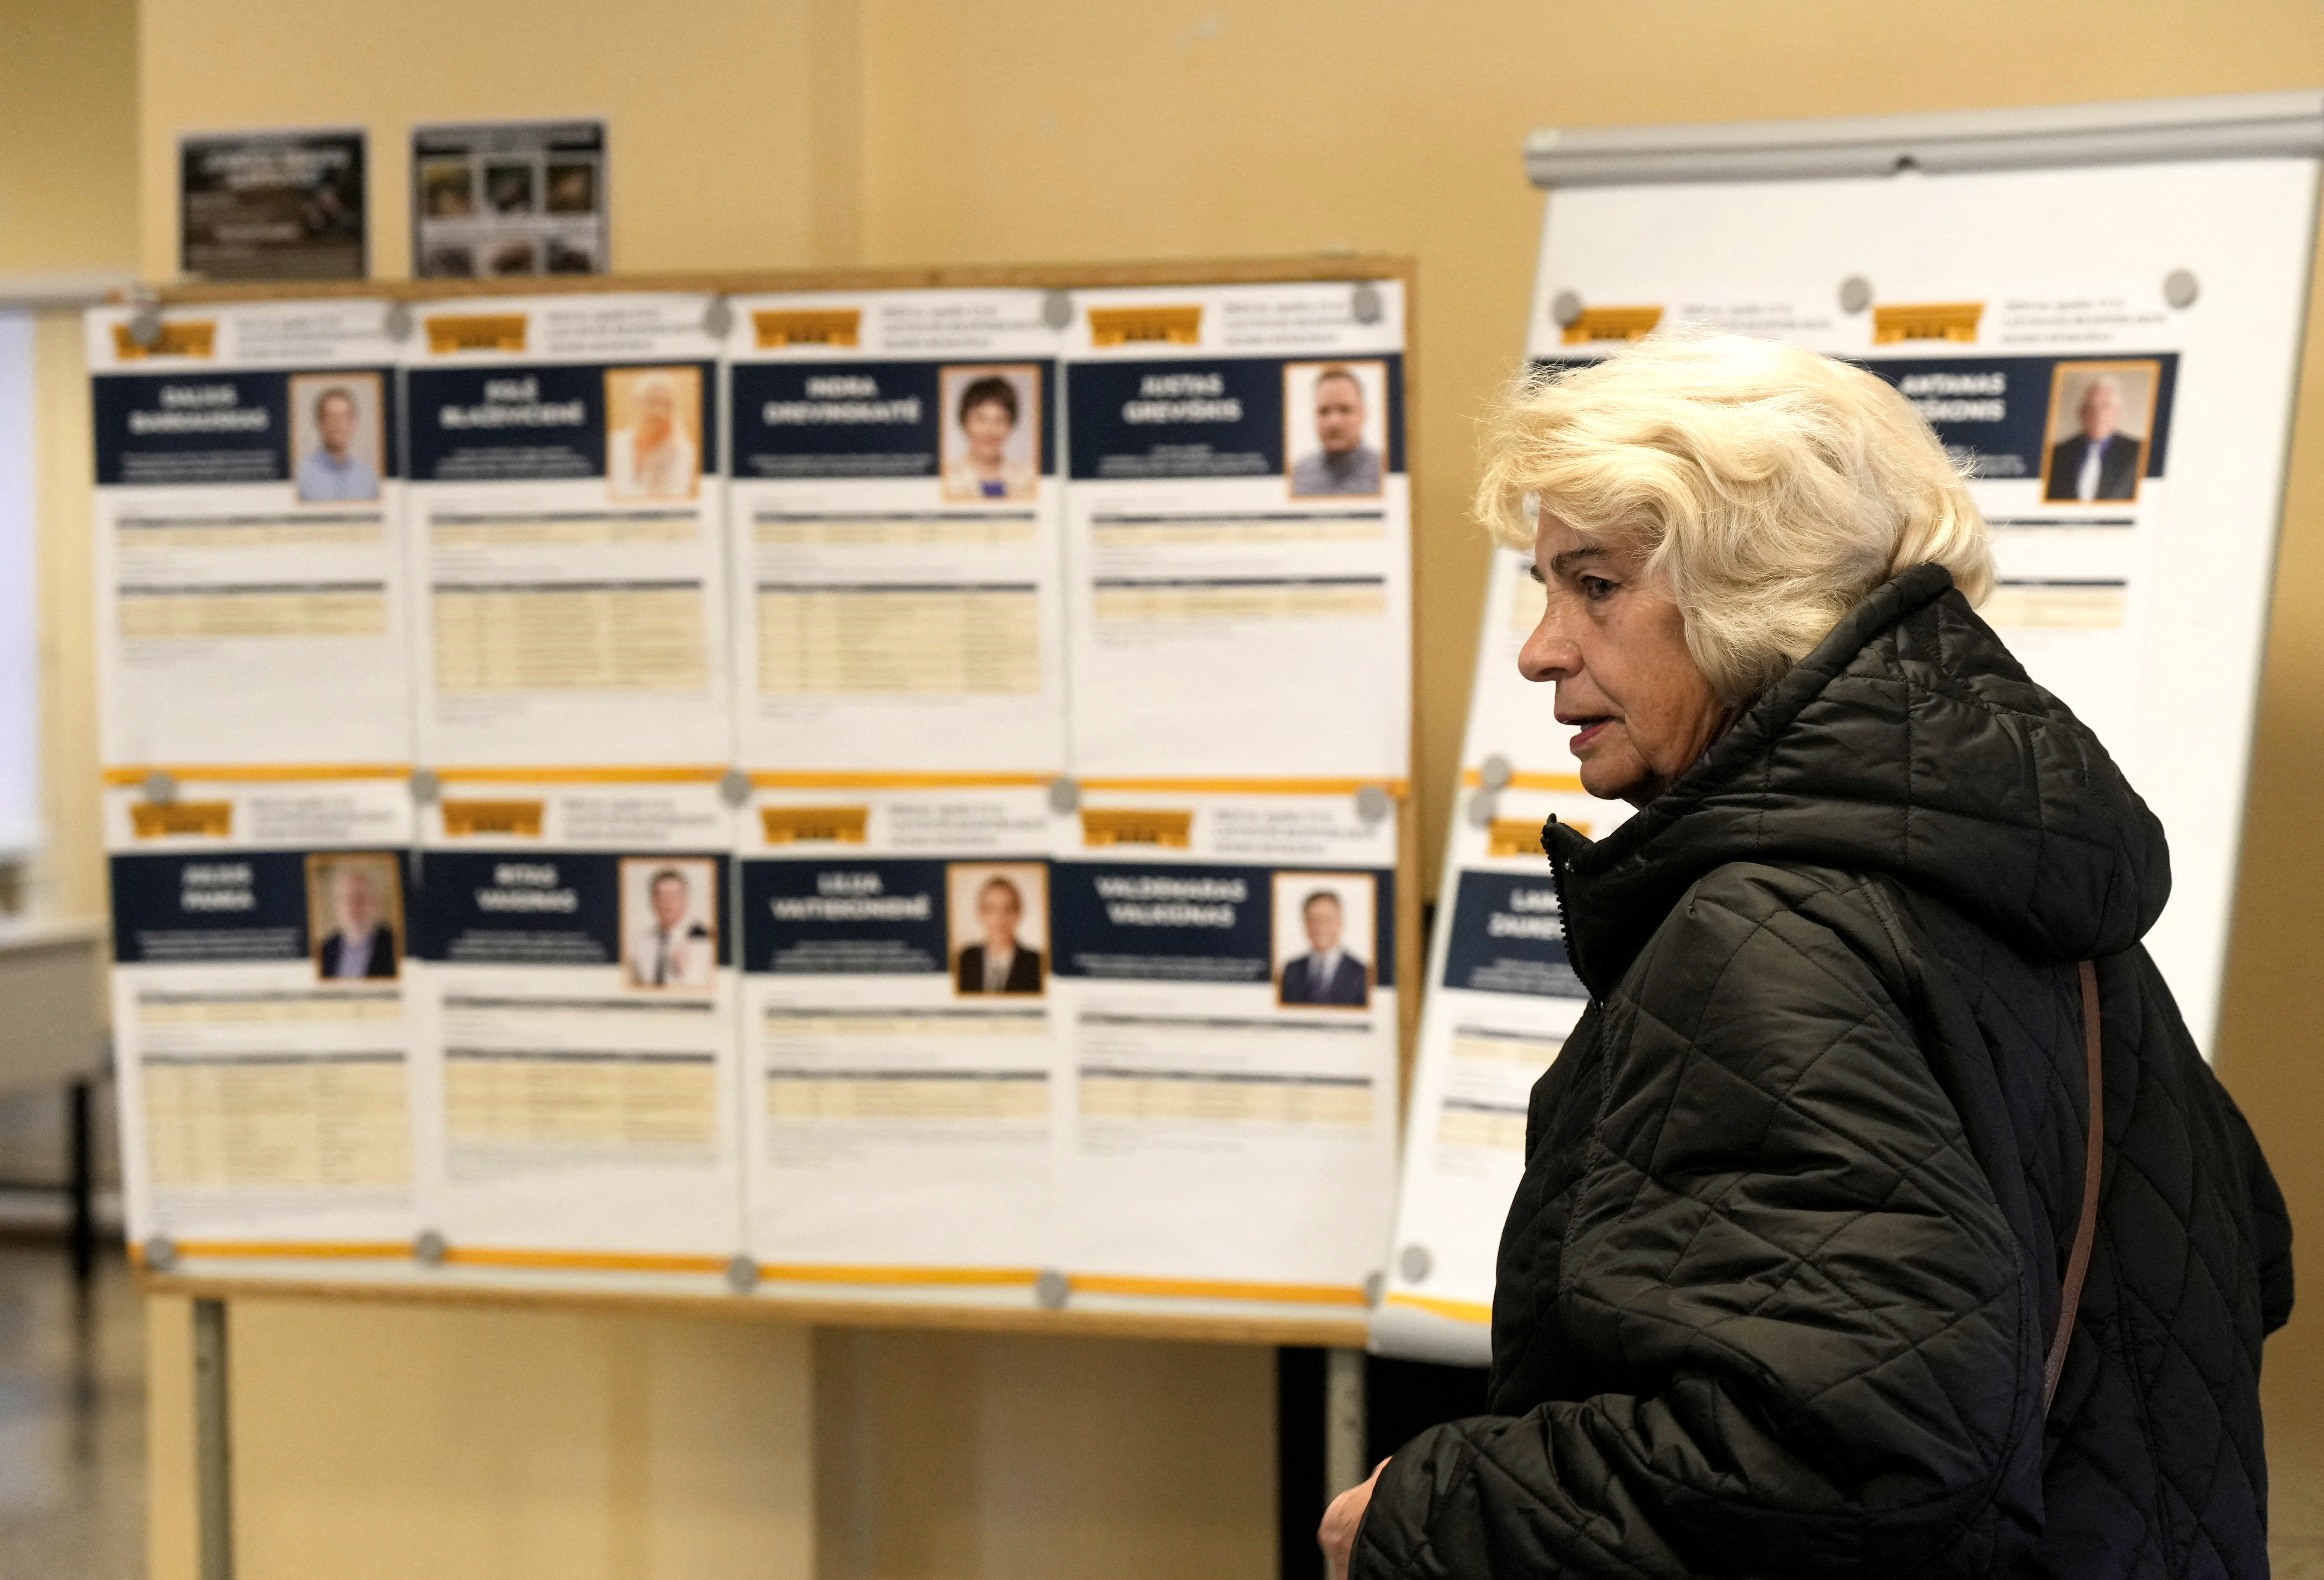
x=871, y=797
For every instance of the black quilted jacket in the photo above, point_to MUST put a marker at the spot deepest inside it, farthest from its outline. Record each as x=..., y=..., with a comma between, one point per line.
x=1800, y=1189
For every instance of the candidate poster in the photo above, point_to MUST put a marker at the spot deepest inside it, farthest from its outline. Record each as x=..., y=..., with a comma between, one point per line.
x=260, y=997
x=904, y=1107
x=895, y=508
x=1237, y=531
x=567, y=523
x=575, y=1080
x=1226, y=978
x=250, y=556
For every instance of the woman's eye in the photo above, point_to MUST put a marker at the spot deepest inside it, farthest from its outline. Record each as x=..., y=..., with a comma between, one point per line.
x=1595, y=587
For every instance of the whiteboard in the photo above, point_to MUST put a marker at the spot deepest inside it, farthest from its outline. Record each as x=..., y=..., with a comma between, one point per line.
x=2073, y=241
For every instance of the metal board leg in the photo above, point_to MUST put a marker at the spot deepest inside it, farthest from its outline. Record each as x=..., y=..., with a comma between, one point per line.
x=1343, y=1421
x=81, y=1142
x=213, y=1455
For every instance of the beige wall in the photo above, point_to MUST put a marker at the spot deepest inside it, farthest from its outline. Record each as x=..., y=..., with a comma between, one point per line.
x=69, y=133
x=911, y=131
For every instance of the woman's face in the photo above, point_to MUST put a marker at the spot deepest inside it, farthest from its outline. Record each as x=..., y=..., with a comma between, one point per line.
x=988, y=423
x=1615, y=646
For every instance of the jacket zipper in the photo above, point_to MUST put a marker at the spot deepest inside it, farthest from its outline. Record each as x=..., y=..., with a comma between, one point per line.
x=1564, y=916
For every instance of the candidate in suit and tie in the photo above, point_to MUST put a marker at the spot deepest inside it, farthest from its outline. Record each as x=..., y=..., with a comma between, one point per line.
x=1327, y=974
x=360, y=947
x=1000, y=963
x=2097, y=463
x=672, y=951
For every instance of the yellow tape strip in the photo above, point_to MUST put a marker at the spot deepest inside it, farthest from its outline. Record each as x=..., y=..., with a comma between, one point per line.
x=314, y=1248
x=895, y=781
x=1219, y=1289
x=1397, y=788
x=591, y=1260
x=1458, y=1310
x=1471, y=779
x=578, y=775
x=792, y=1273
x=260, y=772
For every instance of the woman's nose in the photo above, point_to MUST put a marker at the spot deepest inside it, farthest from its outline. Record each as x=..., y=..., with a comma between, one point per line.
x=1546, y=655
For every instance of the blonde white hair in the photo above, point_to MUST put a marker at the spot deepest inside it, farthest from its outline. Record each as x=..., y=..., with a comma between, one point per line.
x=1770, y=488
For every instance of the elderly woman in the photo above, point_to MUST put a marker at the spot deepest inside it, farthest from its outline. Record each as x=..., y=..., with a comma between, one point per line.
x=1814, y=1269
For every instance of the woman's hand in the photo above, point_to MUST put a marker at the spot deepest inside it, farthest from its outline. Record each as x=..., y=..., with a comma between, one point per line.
x=1337, y=1534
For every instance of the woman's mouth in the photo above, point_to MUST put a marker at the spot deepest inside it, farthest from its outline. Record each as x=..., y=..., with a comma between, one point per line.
x=1587, y=733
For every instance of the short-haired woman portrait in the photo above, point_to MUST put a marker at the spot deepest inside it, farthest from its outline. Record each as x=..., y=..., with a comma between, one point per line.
x=983, y=456
x=1879, y=1217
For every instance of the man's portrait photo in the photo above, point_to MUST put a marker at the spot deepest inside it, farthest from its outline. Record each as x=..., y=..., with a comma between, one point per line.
x=669, y=923
x=355, y=915
x=2100, y=414
x=334, y=436
x=653, y=432
x=991, y=444
x=998, y=925
x=1318, y=917
x=1335, y=427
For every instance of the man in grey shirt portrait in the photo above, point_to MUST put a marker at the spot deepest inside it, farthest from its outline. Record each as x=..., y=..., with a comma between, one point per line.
x=332, y=470
x=1344, y=464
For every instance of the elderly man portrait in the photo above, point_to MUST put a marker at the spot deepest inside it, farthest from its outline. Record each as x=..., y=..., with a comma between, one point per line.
x=1342, y=462
x=1878, y=1216
x=361, y=945
x=2100, y=462
x=653, y=458
x=332, y=470
x=1326, y=974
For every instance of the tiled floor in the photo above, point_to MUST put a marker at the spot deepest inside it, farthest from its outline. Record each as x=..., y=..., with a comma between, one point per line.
x=72, y=1420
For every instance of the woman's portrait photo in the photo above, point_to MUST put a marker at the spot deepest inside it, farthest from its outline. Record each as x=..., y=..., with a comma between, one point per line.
x=991, y=444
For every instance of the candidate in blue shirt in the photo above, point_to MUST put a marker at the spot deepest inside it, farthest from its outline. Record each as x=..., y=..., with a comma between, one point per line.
x=332, y=470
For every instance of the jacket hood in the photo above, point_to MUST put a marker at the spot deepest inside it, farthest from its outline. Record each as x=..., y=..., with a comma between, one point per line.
x=1910, y=743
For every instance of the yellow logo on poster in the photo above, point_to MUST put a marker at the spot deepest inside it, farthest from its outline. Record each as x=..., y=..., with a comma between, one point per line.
x=1612, y=323
x=1126, y=326
x=183, y=338
x=475, y=332
x=1169, y=830
x=1927, y=321
x=467, y=819
x=162, y=820
x=835, y=824
x=779, y=327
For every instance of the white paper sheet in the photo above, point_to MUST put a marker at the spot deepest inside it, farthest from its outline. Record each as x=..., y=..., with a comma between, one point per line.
x=260, y=1030
x=250, y=567
x=895, y=501
x=567, y=532
x=574, y=1009
x=1238, y=523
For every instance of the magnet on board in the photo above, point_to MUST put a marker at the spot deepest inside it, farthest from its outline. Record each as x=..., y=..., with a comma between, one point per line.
x=1414, y=1263
x=717, y=318
x=1481, y=808
x=1364, y=303
x=1854, y=294
x=1052, y=1289
x=735, y=787
x=1057, y=309
x=1567, y=308
x=425, y=786
x=396, y=322
x=742, y=1275
x=161, y=787
x=1375, y=1286
x=1493, y=774
x=1372, y=803
x=146, y=324
x=427, y=1248
x=2180, y=288
x=160, y=1252
x=1065, y=795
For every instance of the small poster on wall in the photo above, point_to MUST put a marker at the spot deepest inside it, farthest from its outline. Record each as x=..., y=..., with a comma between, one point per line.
x=508, y=198
x=271, y=206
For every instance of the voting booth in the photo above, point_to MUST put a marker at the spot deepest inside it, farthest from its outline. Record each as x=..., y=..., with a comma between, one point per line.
x=2098, y=308
x=877, y=798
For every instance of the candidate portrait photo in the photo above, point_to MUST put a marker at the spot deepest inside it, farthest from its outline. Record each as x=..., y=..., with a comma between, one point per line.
x=1322, y=937
x=2101, y=419
x=355, y=915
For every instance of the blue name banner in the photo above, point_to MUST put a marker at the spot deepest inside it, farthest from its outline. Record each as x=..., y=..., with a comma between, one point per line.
x=212, y=908
x=1507, y=936
x=176, y=428
x=562, y=907
x=538, y=423
x=1181, y=922
x=842, y=918
x=853, y=419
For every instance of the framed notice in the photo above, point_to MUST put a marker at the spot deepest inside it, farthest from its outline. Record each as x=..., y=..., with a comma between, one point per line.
x=507, y=199
x=271, y=206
